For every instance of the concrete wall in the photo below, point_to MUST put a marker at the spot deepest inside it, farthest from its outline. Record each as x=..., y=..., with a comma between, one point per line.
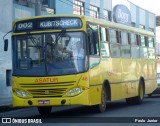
x=63, y=6
x=151, y=20
x=142, y=17
x=107, y=4
x=6, y=9
x=87, y=5
x=133, y=12
x=22, y=11
x=95, y=3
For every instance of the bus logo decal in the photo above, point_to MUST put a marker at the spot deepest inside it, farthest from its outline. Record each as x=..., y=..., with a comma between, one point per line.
x=46, y=80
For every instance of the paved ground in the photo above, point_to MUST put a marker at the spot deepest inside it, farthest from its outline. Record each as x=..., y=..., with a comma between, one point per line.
x=115, y=110
x=5, y=104
x=5, y=101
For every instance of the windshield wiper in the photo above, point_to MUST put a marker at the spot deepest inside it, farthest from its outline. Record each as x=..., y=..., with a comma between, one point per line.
x=34, y=40
x=61, y=34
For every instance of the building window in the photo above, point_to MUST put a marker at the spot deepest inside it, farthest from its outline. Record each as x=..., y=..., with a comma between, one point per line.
x=78, y=7
x=105, y=15
x=8, y=77
x=27, y=3
x=94, y=11
x=45, y=2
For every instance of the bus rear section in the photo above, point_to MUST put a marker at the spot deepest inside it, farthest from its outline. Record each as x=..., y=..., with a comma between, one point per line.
x=157, y=90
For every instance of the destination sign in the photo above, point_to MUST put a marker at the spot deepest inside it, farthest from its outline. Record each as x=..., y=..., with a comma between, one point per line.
x=54, y=23
x=62, y=23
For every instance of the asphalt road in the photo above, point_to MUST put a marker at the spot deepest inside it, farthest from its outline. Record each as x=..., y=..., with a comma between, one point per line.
x=118, y=113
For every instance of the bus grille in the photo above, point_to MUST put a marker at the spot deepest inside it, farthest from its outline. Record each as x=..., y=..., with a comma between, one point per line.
x=47, y=90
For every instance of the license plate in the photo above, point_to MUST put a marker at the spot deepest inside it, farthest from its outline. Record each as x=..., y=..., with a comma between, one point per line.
x=43, y=102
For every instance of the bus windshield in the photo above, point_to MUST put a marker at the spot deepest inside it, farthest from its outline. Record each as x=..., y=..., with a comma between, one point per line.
x=49, y=54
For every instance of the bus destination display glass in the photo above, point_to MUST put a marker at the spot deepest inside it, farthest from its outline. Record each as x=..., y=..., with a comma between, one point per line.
x=47, y=24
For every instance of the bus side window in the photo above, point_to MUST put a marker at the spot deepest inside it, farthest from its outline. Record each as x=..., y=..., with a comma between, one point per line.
x=118, y=36
x=104, y=42
x=143, y=47
x=151, y=49
x=134, y=45
x=114, y=43
x=125, y=46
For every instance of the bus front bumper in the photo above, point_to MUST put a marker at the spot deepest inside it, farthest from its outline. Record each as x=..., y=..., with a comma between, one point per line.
x=81, y=99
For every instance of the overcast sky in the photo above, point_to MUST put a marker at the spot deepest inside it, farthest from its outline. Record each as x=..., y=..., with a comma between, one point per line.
x=150, y=5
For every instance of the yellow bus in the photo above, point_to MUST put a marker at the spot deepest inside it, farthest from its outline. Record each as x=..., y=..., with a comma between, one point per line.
x=76, y=60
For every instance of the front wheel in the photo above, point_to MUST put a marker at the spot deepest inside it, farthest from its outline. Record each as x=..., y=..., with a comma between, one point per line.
x=101, y=107
x=44, y=111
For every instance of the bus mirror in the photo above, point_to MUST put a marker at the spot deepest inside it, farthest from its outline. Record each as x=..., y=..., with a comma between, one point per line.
x=5, y=44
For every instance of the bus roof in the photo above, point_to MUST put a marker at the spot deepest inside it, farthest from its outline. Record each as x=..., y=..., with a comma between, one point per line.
x=96, y=21
x=119, y=26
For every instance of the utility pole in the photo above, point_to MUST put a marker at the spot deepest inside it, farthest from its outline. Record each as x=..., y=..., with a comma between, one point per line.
x=38, y=5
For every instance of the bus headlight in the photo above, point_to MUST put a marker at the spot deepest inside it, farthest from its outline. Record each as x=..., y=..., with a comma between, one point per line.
x=78, y=90
x=71, y=92
x=74, y=91
x=18, y=92
x=24, y=94
x=21, y=93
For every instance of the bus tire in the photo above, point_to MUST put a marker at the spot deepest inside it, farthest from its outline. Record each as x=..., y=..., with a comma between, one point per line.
x=101, y=107
x=138, y=99
x=44, y=111
x=129, y=101
x=149, y=95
